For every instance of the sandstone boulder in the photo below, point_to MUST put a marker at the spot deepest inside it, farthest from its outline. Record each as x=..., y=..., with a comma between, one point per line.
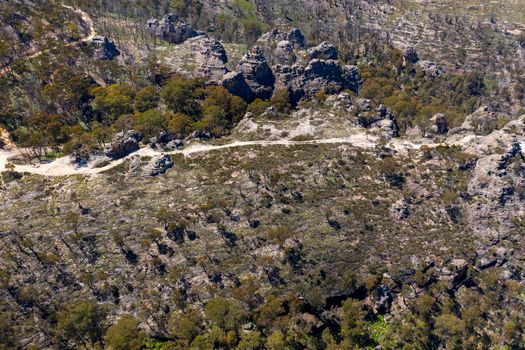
x=234, y=82
x=124, y=143
x=439, y=124
x=364, y=104
x=296, y=37
x=382, y=120
x=173, y=145
x=158, y=165
x=166, y=141
x=284, y=52
x=210, y=57
x=257, y=74
x=170, y=29
x=325, y=51
x=103, y=48
x=342, y=101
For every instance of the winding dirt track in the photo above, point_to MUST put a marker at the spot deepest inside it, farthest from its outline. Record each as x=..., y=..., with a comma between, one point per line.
x=63, y=166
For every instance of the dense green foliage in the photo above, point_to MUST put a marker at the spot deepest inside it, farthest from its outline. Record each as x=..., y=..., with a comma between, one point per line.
x=78, y=114
x=286, y=322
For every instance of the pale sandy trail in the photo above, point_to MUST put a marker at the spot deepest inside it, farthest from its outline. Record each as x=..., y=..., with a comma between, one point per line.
x=87, y=19
x=91, y=34
x=64, y=167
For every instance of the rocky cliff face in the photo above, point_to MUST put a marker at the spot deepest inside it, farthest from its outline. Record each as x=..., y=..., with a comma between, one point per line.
x=254, y=78
x=210, y=57
x=318, y=75
x=257, y=74
x=169, y=28
x=104, y=49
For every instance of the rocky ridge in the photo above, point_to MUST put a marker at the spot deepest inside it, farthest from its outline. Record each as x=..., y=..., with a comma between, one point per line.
x=254, y=78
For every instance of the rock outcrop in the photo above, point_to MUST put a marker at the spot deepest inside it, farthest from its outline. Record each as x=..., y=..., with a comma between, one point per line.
x=382, y=119
x=210, y=57
x=234, y=82
x=320, y=75
x=166, y=141
x=410, y=55
x=284, y=53
x=170, y=29
x=123, y=143
x=158, y=165
x=439, y=124
x=482, y=122
x=294, y=36
x=383, y=299
x=324, y=51
x=103, y=48
x=257, y=74
x=431, y=69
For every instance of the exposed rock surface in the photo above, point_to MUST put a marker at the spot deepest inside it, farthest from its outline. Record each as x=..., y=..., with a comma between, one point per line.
x=210, y=57
x=386, y=122
x=170, y=29
x=320, y=75
x=382, y=119
x=257, y=74
x=294, y=36
x=431, y=69
x=439, y=124
x=104, y=49
x=124, y=143
x=235, y=83
x=158, y=165
x=481, y=122
x=284, y=52
x=325, y=51
x=383, y=299
x=166, y=141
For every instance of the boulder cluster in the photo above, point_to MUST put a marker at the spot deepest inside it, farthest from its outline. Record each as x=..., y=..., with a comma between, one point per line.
x=381, y=119
x=321, y=71
x=169, y=28
x=123, y=143
x=294, y=37
x=254, y=78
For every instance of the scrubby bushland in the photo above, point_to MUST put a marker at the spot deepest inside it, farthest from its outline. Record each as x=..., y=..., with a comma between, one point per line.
x=300, y=253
